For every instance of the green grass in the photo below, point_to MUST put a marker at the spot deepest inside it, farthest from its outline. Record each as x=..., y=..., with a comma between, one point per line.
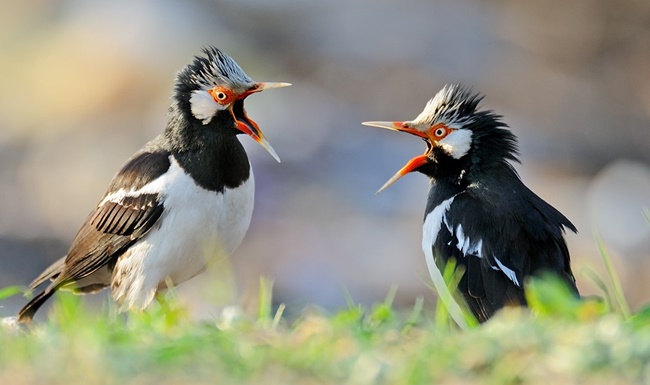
x=559, y=340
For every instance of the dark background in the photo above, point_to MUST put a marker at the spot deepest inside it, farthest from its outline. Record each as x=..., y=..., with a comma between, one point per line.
x=84, y=84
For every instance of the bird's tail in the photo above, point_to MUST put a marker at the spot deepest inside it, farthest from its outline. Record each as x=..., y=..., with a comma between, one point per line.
x=27, y=312
x=51, y=273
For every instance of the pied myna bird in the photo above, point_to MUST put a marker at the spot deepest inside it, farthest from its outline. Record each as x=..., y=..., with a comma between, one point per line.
x=182, y=201
x=479, y=212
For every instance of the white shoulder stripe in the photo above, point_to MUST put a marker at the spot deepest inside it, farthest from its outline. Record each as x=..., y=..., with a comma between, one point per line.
x=432, y=224
x=508, y=272
x=464, y=244
x=477, y=249
x=444, y=220
x=157, y=186
x=463, y=241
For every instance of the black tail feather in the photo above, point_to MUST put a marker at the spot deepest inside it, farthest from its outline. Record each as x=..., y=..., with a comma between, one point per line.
x=27, y=312
x=486, y=290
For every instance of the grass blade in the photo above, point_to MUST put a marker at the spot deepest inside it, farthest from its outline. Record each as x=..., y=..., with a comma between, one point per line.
x=598, y=282
x=448, y=306
x=264, y=300
x=278, y=316
x=415, y=315
x=10, y=291
x=617, y=288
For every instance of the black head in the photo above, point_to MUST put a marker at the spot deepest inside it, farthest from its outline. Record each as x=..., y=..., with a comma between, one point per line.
x=461, y=138
x=210, y=92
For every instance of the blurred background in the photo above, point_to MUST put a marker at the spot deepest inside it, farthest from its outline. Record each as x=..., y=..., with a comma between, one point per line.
x=84, y=84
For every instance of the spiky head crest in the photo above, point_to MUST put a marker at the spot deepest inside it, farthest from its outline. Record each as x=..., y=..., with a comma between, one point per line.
x=454, y=105
x=213, y=68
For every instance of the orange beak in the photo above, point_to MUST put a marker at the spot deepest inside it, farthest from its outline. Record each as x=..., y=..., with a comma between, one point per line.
x=248, y=125
x=412, y=164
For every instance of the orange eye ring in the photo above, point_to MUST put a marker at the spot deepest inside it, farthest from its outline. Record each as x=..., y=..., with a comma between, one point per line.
x=222, y=95
x=439, y=131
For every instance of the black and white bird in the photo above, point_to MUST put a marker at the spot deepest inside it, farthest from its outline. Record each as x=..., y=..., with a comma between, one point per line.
x=182, y=201
x=479, y=211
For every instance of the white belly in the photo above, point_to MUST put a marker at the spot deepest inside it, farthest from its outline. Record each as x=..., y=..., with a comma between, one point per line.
x=197, y=227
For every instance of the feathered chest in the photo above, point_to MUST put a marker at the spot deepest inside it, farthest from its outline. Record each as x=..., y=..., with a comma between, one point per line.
x=191, y=211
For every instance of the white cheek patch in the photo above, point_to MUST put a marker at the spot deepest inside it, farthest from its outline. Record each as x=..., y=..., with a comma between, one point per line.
x=203, y=106
x=457, y=143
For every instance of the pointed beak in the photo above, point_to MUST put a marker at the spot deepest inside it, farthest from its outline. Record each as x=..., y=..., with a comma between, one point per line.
x=258, y=136
x=248, y=125
x=261, y=86
x=250, y=128
x=412, y=164
x=396, y=126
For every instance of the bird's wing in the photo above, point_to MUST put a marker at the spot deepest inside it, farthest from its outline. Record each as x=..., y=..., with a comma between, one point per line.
x=109, y=231
x=130, y=208
x=470, y=233
x=499, y=240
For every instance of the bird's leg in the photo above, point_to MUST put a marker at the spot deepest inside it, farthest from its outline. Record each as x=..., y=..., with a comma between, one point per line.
x=162, y=301
x=161, y=295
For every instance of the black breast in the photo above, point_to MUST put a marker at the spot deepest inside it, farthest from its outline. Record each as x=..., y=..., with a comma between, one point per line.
x=215, y=167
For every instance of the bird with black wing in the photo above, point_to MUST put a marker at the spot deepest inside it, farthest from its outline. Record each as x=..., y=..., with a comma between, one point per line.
x=182, y=201
x=479, y=212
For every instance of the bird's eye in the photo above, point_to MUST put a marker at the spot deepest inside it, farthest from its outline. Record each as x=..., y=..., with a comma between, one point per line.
x=440, y=132
x=221, y=95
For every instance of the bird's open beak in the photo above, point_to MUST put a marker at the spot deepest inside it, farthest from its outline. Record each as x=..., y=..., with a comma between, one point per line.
x=397, y=126
x=248, y=125
x=412, y=164
x=261, y=86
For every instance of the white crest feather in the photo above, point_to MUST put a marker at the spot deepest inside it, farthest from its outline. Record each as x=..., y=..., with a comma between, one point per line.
x=445, y=107
x=217, y=68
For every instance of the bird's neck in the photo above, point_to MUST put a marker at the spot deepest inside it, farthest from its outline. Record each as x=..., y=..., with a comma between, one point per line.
x=489, y=178
x=211, y=153
x=440, y=191
x=221, y=164
x=445, y=170
x=468, y=170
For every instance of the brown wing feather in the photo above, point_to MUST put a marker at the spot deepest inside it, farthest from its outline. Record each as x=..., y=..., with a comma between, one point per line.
x=109, y=230
x=94, y=247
